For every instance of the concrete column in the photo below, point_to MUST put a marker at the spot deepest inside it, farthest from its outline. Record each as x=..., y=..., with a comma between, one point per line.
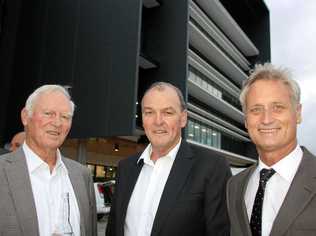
x=82, y=151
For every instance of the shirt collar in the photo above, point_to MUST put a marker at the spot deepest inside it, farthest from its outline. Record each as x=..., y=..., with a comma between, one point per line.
x=34, y=161
x=287, y=166
x=147, y=153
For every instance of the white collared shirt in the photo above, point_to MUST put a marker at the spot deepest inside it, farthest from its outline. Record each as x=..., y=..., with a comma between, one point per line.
x=276, y=188
x=147, y=192
x=48, y=191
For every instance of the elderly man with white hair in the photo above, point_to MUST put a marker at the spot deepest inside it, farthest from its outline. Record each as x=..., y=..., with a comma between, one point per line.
x=42, y=192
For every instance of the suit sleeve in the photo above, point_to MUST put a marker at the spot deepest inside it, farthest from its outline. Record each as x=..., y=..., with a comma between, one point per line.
x=93, y=210
x=111, y=225
x=228, y=195
x=217, y=220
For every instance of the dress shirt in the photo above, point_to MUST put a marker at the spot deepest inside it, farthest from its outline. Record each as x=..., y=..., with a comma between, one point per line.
x=276, y=188
x=48, y=190
x=147, y=192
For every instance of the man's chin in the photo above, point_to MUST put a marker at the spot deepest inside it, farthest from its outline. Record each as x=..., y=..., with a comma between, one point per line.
x=269, y=147
x=158, y=145
x=53, y=144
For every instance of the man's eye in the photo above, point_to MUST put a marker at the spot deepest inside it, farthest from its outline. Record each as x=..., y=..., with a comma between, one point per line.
x=278, y=108
x=66, y=117
x=255, y=110
x=169, y=113
x=48, y=113
x=148, y=113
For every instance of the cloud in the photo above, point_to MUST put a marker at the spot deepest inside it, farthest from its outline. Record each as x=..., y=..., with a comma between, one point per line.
x=293, y=45
x=307, y=130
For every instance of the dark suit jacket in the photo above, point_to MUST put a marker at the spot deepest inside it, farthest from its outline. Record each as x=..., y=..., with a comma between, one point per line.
x=296, y=216
x=193, y=200
x=17, y=207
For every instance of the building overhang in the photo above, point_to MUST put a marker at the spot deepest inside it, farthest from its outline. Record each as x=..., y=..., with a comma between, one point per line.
x=151, y=3
x=217, y=12
x=233, y=158
x=214, y=54
x=211, y=73
x=216, y=119
x=206, y=23
x=217, y=103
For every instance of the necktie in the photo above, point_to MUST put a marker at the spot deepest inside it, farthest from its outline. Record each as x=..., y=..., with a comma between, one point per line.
x=256, y=215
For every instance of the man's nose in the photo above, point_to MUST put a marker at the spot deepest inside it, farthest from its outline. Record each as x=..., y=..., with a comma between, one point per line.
x=159, y=119
x=267, y=116
x=57, y=121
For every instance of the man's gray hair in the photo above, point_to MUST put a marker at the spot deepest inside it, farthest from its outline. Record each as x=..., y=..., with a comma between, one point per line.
x=31, y=100
x=161, y=86
x=268, y=71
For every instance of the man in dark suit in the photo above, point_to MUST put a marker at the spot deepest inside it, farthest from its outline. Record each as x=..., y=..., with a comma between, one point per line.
x=172, y=188
x=41, y=192
x=276, y=196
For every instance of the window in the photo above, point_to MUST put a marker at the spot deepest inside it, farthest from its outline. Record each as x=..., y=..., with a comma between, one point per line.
x=102, y=173
x=204, y=134
x=202, y=81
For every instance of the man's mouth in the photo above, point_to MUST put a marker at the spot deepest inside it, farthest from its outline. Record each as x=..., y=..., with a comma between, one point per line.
x=160, y=132
x=270, y=130
x=54, y=133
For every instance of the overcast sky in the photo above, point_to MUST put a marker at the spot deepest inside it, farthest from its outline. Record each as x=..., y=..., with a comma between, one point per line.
x=293, y=45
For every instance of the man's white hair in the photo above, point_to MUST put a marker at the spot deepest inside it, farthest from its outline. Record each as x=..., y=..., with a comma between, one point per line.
x=268, y=71
x=31, y=100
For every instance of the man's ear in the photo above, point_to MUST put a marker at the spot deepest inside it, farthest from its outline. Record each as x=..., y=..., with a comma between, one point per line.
x=184, y=118
x=299, y=114
x=246, y=125
x=24, y=116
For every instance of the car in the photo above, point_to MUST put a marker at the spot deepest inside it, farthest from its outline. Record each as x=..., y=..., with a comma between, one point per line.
x=103, y=196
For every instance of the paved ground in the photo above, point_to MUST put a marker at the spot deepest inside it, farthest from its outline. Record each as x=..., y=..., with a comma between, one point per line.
x=101, y=226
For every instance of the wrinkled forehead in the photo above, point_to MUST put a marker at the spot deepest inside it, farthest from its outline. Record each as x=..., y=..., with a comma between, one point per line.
x=268, y=91
x=165, y=95
x=54, y=100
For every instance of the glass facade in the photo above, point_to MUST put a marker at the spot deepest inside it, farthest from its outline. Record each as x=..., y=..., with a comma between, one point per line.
x=199, y=79
x=204, y=134
x=208, y=85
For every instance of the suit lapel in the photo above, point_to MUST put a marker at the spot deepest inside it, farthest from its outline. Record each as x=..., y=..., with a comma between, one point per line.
x=177, y=178
x=21, y=190
x=132, y=169
x=78, y=184
x=301, y=191
x=240, y=198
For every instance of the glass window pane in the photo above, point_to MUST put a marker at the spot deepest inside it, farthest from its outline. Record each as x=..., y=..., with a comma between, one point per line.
x=197, y=132
x=203, y=135
x=190, y=130
x=100, y=173
x=219, y=140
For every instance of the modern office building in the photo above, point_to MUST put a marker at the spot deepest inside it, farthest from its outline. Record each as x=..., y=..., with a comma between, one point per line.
x=109, y=52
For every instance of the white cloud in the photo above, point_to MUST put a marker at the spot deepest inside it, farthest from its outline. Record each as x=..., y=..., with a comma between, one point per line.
x=293, y=45
x=307, y=130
